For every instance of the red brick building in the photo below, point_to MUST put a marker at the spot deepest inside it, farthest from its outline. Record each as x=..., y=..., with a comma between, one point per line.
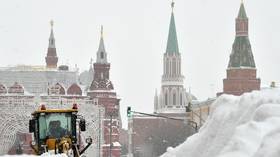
x=102, y=89
x=241, y=71
x=153, y=135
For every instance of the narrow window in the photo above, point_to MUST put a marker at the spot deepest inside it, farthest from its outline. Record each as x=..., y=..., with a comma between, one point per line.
x=167, y=67
x=174, y=98
x=166, y=103
x=181, y=99
x=173, y=67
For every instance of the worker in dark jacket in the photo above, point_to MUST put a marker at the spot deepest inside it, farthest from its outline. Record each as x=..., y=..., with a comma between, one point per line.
x=55, y=129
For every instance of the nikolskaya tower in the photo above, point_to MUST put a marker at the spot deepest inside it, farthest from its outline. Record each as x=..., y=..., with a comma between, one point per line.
x=173, y=96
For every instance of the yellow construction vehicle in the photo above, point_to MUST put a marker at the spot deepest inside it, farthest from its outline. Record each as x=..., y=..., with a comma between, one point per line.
x=58, y=131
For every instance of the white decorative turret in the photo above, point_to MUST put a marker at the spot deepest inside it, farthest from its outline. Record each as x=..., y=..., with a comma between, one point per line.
x=173, y=95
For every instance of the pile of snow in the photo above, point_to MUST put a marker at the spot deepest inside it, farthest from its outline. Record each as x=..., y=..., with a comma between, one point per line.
x=244, y=126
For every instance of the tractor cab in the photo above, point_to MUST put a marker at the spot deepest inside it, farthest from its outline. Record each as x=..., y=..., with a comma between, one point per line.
x=57, y=130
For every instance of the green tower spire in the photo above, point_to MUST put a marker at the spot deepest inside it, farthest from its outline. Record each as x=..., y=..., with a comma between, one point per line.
x=172, y=42
x=241, y=55
x=242, y=12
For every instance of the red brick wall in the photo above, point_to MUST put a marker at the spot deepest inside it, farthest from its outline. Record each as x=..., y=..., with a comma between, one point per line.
x=116, y=151
x=51, y=58
x=241, y=73
x=111, y=104
x=240, y=81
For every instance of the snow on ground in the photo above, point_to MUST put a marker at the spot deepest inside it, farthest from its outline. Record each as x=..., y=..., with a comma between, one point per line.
x=244, y=126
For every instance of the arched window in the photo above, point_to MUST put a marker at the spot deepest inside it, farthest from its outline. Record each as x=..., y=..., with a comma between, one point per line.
x=102, y=55
x=166, y=99
x=173, y=66
x=174, y=98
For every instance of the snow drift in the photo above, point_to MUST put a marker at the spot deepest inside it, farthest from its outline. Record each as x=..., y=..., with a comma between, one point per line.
x=244, y=126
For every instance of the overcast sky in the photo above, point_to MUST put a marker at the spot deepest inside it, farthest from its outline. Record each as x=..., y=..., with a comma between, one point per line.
x=135, y=34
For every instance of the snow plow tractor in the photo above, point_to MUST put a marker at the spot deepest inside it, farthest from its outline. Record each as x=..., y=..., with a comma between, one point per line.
x=57, y=131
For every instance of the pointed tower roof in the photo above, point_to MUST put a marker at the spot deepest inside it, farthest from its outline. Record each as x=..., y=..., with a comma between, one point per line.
x=51, y=58
x=172, y=42
x=101, y=53
x=242, y=12
x=241, y=55
x=51, y=39
x=101, y=43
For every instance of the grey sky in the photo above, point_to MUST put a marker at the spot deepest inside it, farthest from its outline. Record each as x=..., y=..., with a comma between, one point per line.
x=135, y=34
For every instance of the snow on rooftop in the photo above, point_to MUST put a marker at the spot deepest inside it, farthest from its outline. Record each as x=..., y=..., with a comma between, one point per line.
x=32, y=68
x=243, y=126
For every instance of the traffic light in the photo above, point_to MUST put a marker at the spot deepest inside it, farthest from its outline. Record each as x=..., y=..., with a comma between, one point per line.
x=129, y=111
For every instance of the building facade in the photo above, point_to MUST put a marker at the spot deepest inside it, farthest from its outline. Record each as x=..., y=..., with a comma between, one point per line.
x=24, y=88
x=17, y=104
x=241, y=71
x=102, y=89
x=36, y=79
